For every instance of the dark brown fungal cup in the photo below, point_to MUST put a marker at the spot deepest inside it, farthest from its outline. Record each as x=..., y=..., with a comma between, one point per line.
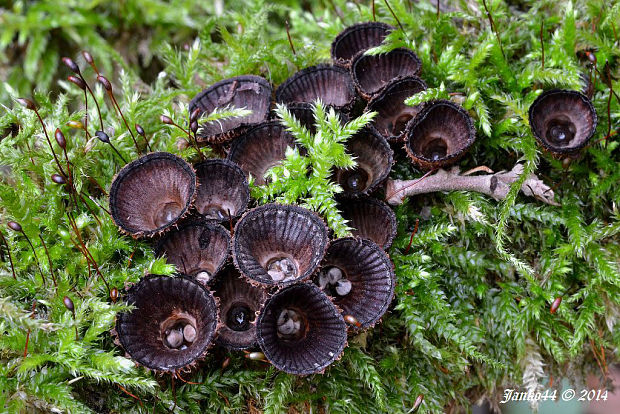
x=370, y=219
x=393, y=115
x=563, y=121
x=357, y=38
x=278, y=244
x=172, y=326
x=374, y=160
x=300, y=331
x=249, y=92
x=359, y=276
x=261, y=148
x=198, y=249
x=239, y=305
x=372, y=73
x=151, y=194
x=331, y=84
x=223, y=192
x=439, y=135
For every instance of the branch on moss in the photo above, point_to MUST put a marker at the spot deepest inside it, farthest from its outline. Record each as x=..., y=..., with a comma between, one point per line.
x=495, y=185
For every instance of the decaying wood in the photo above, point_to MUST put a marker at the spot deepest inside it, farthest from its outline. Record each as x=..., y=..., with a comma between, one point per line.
x=495, y=185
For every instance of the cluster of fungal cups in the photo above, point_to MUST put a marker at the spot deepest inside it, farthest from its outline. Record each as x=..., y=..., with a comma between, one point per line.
x=272, y=276
x=274, y=292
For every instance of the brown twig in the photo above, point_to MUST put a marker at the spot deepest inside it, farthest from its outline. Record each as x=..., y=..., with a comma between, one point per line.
x=394, y=193
x=479, y=168
x=495, y=185
x=604, y=360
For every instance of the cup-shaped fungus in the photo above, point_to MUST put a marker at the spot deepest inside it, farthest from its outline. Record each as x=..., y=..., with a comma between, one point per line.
x=359, y=276
x=239, y=305
x=357, y=38
x=197, y=249
x=151, y=194
x=371, y=73
x=331, y=84
x=223, y=192
x=370, y=219
x=300, y=331
x=261, y=148
x=563, y=121
x=393, y=115
x=439, y=135
x=374, y=158
x=249, y=92
x=278, y=244
x=172, y=326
